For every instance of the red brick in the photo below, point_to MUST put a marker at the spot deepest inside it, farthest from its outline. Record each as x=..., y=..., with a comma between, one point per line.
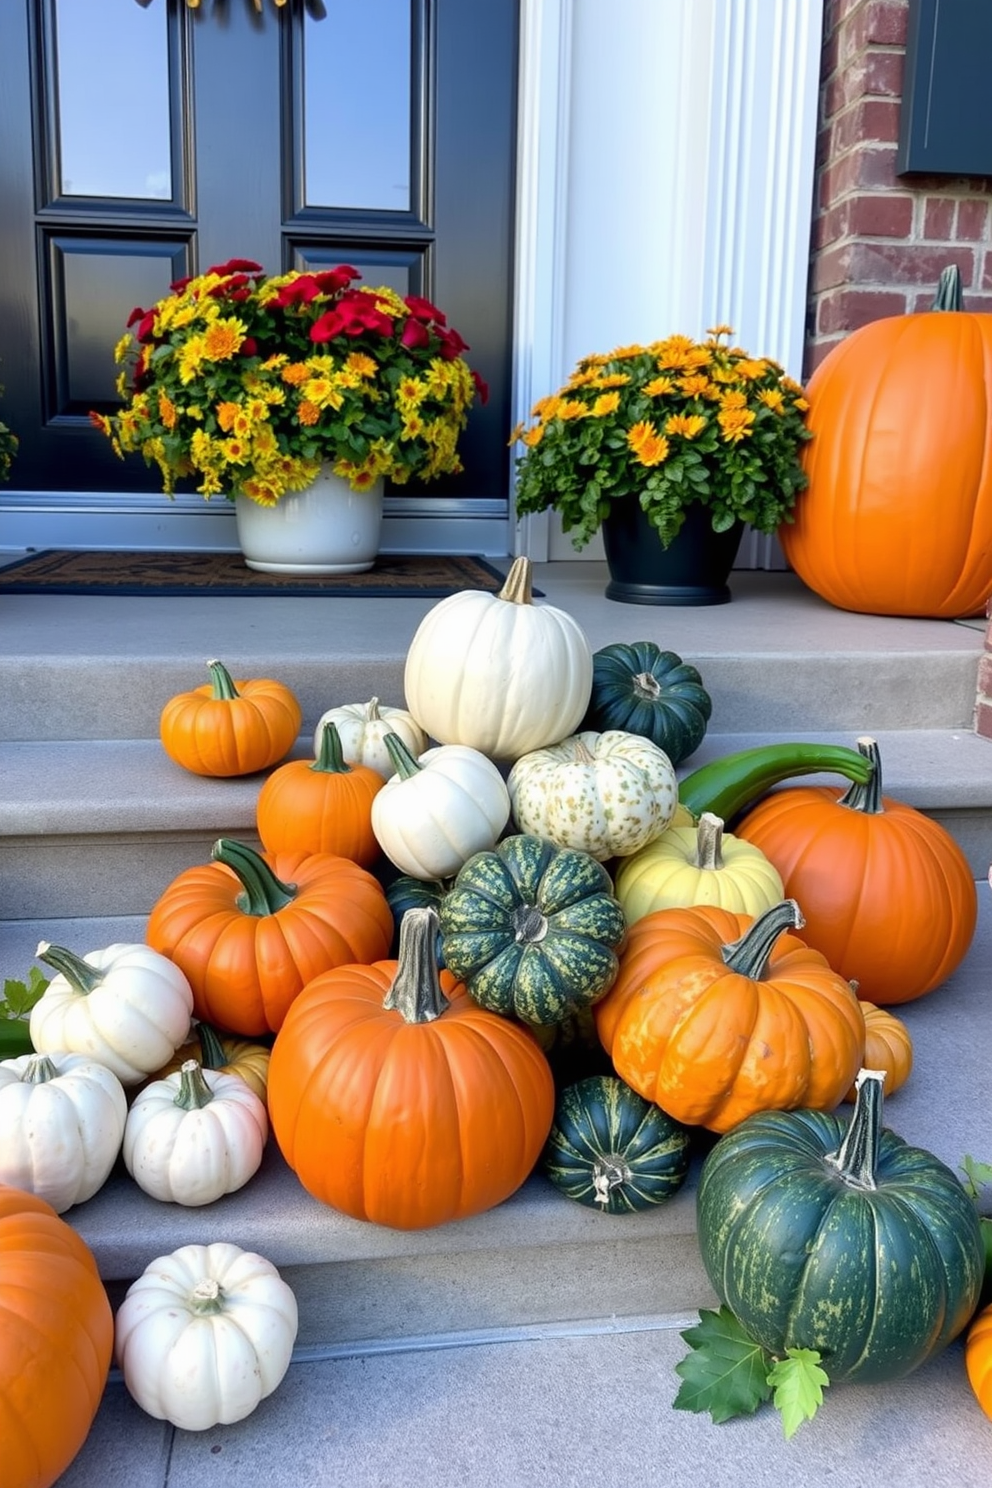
x=847, y=309
x=887, y=20
x=983, y=720
x=884, y=73
x=906, y=263
x=986, y=279
x=870, y=121
x=972, y=221
x=881, y=216
x=985, y=674
x=831, y=268
x=830, y=226
x=938, y=217
x=853, y=34
x=978, y=304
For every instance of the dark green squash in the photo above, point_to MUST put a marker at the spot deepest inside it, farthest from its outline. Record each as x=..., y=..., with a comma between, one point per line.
x=532, y=929
x=612, y=1150
x=641, y=689
x=405, y=892
x=842, y=1238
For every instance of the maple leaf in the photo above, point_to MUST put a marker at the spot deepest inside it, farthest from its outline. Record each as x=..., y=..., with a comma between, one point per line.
x=797, y=1382
x=726, y=1372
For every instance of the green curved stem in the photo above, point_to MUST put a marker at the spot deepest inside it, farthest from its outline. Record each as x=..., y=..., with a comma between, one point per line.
x=403, y=761
x=39, y=1071
x=212, y=1054
x=948, y=296
x=749, y=955
x=856, y=1159
x=194, y=1093
x=80, y=975
x=224, y=688
x=262, y=892
x=330, y=758
x=415, y=992
x=866, y=797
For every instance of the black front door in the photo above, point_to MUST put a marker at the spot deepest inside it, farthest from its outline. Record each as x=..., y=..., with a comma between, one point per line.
x=144, y=140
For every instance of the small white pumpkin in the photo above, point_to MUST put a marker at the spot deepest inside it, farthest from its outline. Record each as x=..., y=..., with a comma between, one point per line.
x=606, y=794
x=125, y=1006
x=698, y=865
x=362, y=728
x=497, y=672
x=61, y=1124
x=194, y=1136
x=204, y=1334
x=439, y=809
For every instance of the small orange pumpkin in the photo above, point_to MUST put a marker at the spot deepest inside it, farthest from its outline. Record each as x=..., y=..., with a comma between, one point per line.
x=888, y=895
x=250, y=931
x=395, y=1098
x=715, y=1016
x=230, y=728
x=978, y=1358
x=323, y=805
x=888, y=1047
x=57, y=1332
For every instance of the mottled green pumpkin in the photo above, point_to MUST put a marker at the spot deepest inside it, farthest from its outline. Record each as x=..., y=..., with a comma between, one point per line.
x=641, y=689
x=842, y=1238
x=532, y=929
x=612, y=1150
x=404, y=893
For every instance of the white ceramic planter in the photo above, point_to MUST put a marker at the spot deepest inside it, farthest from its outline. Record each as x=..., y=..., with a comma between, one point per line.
x=326, y=529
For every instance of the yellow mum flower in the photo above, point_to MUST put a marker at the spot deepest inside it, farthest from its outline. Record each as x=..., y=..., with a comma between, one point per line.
x=750, y=370
x=733, y=399
x=233, y=451
x=611, y=380
x=720, y=330
x=604, y=404
x=533, y=436
x=694, y=386
x=772, y=398
x=361, y=365
x=191, y=359
x=659, y=386
x=412, y=427
x=572, y=408
x=226, y=414
x=295, y=373
x=123, y=347
x=735, y=423
x=688, y=425
x=167, y=411
x=322, y=392
x=308, y=413
x=223, y=339
x=648, y=446
x=577, y=380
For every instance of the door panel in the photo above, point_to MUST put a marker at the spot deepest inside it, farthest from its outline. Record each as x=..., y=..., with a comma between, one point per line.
x=141, y=142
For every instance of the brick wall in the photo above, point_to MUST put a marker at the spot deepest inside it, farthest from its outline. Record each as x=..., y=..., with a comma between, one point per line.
x=880, y=240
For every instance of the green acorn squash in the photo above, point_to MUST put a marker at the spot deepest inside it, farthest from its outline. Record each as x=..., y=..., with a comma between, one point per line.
x=532, y=929
x=842, y=1238
x=641, y=689
x=610, y=1149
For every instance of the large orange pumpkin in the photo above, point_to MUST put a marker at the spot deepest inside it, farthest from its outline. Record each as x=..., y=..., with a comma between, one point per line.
x=56, y=1341
x=229, y=728
x=321, y=805
x=395, y=1098
x=897, y=516
x=250, y=930
x=715, y=1016
x=888, y=896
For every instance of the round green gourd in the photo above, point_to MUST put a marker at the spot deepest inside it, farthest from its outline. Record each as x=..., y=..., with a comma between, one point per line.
x=612, y=1150
x=405, y=892
x=641, y=689
x=532, y=929
x=842, y=1238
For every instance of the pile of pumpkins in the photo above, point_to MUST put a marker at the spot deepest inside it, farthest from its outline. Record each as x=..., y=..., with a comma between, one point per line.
x=526, y=944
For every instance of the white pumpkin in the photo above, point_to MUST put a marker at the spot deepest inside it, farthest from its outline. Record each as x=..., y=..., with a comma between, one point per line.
x=439, y=809
x=204, y=1334
x=604, y=793
x=194, y=1136
x=61, y=1124
x=497, y=672
x=698, y=865
x=362, y=728
x=126, y=1006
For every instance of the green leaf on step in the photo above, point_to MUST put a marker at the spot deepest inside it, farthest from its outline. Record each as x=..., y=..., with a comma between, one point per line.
x=726, y=1372
x=797, y=1382
x=978, y=1175
x=20, y=997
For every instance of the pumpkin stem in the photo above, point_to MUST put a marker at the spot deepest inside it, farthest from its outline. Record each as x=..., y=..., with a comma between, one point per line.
x=262, y=893
x=709, y=842
x=582, y=754
x=529, y=924
x=856, y=1159
x=372, y=714
x=81, y=976
x=206, y=1299
x=868, y=797
x=330, y=757
x=403, y=761
x=194, y=1093
x=212, y=1054
x=517, y=585
x=749, y=955
x=646, y=686
x=224, y=688
x=39, y=1070
x=415, y=992
x=609, y=1172
x=948, y=296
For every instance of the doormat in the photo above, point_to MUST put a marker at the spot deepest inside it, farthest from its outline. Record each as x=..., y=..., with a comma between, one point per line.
x=53, y=571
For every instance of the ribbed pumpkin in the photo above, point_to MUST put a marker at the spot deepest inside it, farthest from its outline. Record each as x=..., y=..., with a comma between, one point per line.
x=611, y=1150
x=395, y=1098
x=498, y=672
x=250, y=932
x=230, y=728
x=697, y=865
x=532, y=929
x=888, y=895
x=322, y=805
x=715, y=1016
x=897, y=516
x=839, y=1237
x=641, y=689
x=56, y=1341
x=362, y=729
x=888, y=1047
